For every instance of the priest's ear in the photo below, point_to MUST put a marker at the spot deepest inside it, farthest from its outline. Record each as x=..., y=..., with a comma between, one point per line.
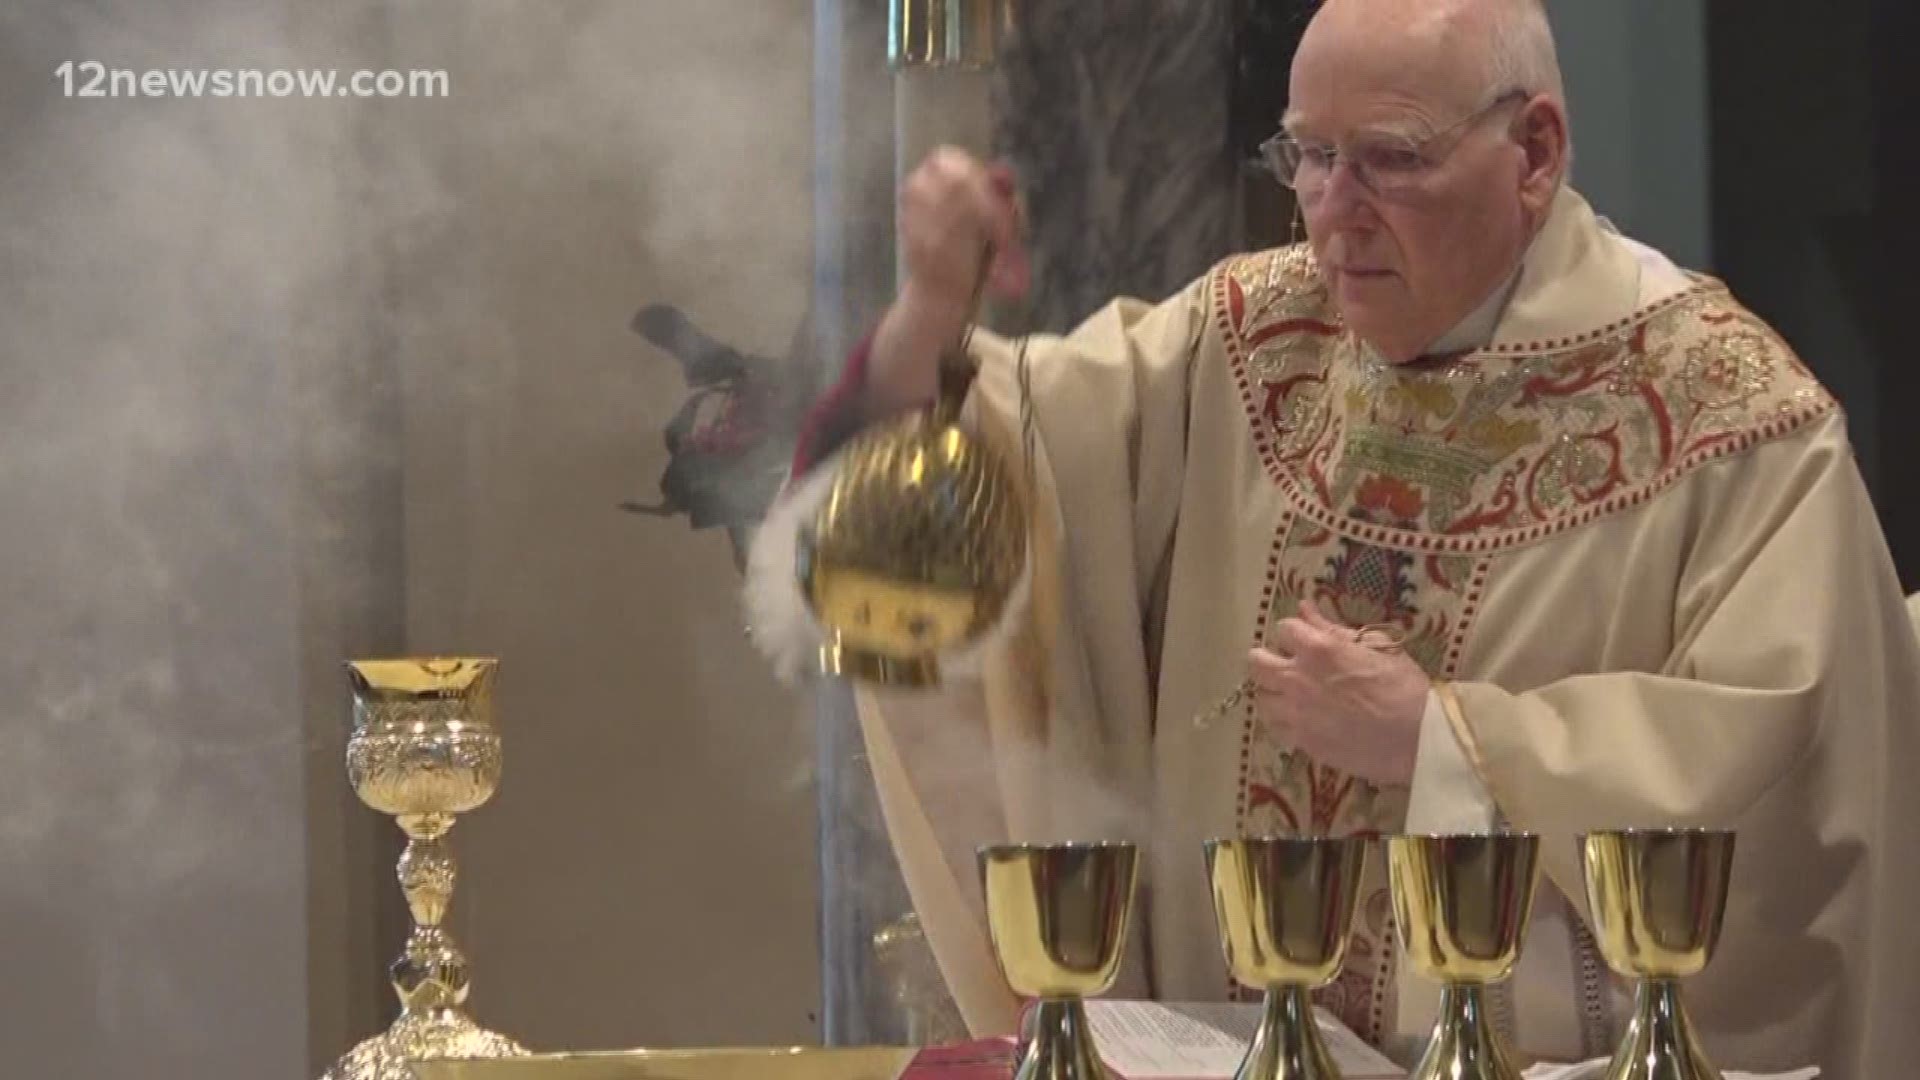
x=1540, y=129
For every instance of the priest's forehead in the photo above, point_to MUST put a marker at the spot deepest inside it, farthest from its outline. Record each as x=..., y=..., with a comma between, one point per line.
x=1399, y=63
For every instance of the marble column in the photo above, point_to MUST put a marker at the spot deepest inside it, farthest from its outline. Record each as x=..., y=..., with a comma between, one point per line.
x=855, y=174
x=1117, y=116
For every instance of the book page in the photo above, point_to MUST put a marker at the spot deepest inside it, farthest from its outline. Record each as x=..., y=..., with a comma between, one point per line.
x=1150, y=1040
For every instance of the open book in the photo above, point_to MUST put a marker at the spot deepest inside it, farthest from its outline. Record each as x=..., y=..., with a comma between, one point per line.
x=1149, y=1040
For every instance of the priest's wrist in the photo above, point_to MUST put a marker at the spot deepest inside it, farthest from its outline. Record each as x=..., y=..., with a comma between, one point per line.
x=904, y=371
x=894, y=369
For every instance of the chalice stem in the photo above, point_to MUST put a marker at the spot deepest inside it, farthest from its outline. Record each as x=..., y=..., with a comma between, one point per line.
x=1288, y=1045
x=432, y=973
x=1466, y=1043
x=426, y=869
x=1061, y=1046
x=1660, y=1038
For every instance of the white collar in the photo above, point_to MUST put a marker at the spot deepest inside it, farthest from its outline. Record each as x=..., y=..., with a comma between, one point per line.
x=1476, y=330
x=1576, y=275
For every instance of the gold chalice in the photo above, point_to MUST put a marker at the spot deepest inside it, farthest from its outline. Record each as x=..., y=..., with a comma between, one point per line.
x=1657, y=898
x=1463, y=903
x=424, y=749
x=1285, y=912
x=1058, y=917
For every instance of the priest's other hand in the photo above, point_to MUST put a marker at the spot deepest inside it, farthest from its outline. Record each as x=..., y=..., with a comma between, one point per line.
x=1341, y=700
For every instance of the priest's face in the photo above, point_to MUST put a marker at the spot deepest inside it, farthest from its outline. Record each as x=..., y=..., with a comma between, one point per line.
x=1420, y=187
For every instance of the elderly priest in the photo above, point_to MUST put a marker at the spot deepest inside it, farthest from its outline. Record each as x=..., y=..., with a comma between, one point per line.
x=1502, y=519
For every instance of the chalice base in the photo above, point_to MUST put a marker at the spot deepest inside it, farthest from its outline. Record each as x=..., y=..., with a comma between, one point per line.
x=1659, y=1043
x=1288, y=1045
x=1465, y=1045
x=1060, y=1044
x=428, y=1035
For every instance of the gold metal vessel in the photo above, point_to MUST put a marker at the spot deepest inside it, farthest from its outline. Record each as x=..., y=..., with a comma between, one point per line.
x=1284, y=908
x=770, y=1063
x=1657, y=898
x=918, y=547
x=1463, y=903
x=1058, y=917
x=947, y=33
x=913, y=981
x=424, y=749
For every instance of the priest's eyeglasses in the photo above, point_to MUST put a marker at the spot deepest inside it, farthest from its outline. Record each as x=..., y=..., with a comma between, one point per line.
x=1385, y=163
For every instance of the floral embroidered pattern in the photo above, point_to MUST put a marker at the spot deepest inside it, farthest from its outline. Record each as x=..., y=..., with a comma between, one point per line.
x=1502, y=447
x=1728, y=370
x=1427, y=597
x=1403, y=480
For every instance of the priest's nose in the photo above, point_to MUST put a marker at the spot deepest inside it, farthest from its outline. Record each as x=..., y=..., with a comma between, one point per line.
x=1341, y=200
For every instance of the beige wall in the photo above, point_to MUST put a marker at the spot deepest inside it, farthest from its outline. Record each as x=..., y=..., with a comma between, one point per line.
x=287, y=381
x=645, y=874
x=182, y=302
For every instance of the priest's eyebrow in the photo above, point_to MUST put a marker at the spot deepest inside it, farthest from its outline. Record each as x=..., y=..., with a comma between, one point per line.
x=1413, y=128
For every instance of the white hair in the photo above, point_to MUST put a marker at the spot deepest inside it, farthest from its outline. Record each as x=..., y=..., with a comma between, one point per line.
x=1520, y=53
x=1508, y=43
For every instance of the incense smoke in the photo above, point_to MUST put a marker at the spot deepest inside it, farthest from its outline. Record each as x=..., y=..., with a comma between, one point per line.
x=235, y=330
x=223, y=320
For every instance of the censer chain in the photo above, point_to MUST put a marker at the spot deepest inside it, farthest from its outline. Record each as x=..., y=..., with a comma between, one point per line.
x=1023, y=368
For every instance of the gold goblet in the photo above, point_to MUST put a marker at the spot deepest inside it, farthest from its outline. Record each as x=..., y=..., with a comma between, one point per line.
x=1463, y=903
x=424, y=749
x=1285, y=908
x=1657, y=898
x=1058, y=917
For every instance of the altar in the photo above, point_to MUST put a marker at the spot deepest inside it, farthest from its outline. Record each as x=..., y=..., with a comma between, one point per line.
x=497, y=384
x=425, y=749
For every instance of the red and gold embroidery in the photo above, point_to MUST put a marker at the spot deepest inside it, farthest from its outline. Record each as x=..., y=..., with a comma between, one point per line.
x=1508, y=445
x=1402, y=481
x=1429, y=598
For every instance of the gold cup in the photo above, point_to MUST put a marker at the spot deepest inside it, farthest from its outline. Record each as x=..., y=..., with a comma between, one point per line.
x=424, y=749
x=1058, y=917
x=1657, y=898
x=1463, y=903
x=1285, y=909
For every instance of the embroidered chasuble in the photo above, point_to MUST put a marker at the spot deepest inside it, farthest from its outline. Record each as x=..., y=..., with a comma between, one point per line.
x=1625, y=535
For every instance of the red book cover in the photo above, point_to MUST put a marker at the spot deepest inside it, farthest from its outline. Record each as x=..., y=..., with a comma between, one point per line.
x=982, y=1059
